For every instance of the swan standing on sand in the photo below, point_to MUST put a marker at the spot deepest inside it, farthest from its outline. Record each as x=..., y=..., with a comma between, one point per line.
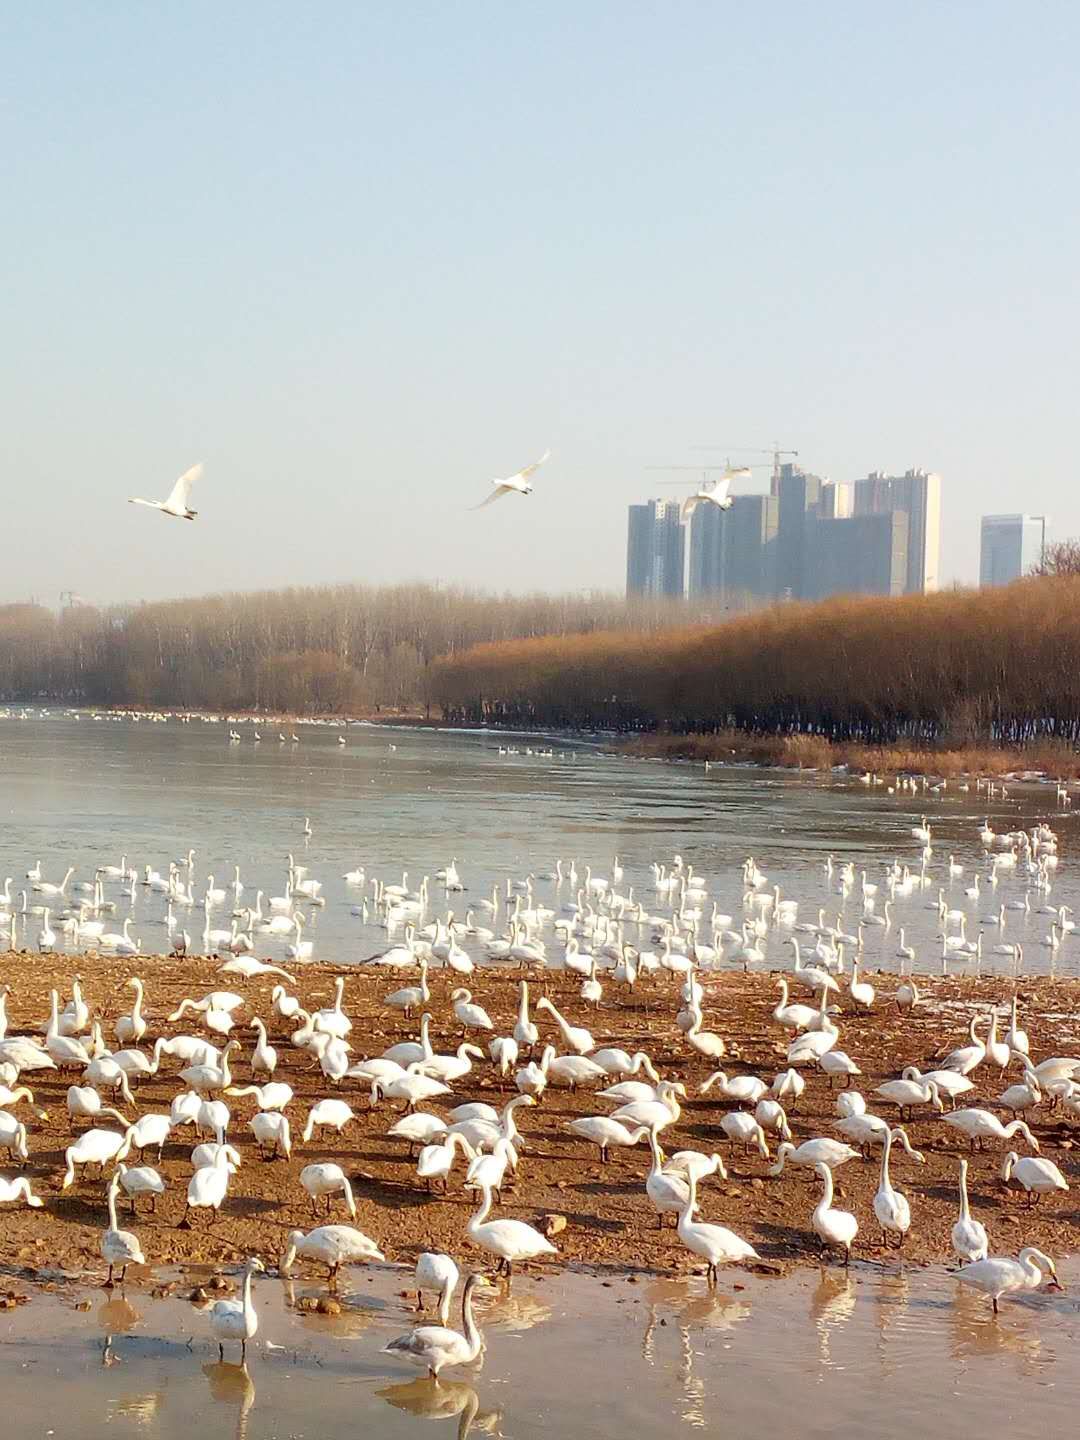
x=508, y=1240
x=834, y=1228
x=119, y=1247
x=1038, y=1177
x=176, y=502
x=434, y=1347
x=969, y=1238
x=890, y=1206
x=237, y=1319
x=714, y=1243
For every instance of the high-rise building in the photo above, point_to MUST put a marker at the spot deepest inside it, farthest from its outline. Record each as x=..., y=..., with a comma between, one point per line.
x=1011, y=545
x=733, y=552
x=797, y=496
x=655, y=544
x=856, y=555
x=918, y=494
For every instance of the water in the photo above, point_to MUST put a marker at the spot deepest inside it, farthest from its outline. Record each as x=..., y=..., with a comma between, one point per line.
x=872, y=1352
x=83, y=792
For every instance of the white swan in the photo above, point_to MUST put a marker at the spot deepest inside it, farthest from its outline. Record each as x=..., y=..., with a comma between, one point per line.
x=890, y=1206
x=999, y=1275
x=237, y=1319
x=517, y=484
x=332, y=1246
x=509, y=1240
x=119, y=1247
x=969, y=1238
x=1038, y=1177
x=434, y=1347
x=604, y=1132
x=438, y=1273
x=176, y=502
x=714, y=1243
x=834, y=1228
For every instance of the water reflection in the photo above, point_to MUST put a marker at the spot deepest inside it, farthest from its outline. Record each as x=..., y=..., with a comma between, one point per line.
x=513, y=1311
x=232, y=1386
x=832, y=1304
x=974, y=1332
x=429, y=1399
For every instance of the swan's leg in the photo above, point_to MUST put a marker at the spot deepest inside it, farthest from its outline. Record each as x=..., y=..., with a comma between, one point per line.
x=221, y=1351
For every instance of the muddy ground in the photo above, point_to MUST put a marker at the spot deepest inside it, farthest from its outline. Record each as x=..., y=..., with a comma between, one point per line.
x=610, y=1222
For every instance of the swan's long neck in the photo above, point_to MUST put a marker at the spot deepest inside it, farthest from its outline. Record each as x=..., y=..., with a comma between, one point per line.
x=827, y=1194
x=886, y=1182
x=425, y=1042
x=654, y=1146
x=523, y=1005
x=481, y=1214
x=965, y=1213
x=249, y=1308
x=112, y=1207
x=472, y=1333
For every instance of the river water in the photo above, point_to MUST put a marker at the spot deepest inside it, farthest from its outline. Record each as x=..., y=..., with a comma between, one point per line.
x=83, y=792
x=822, y=1353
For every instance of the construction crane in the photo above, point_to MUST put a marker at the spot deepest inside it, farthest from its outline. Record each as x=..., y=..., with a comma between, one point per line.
x=774, y=450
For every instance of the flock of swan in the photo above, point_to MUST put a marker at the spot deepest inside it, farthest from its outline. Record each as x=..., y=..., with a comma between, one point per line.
x=583, y=935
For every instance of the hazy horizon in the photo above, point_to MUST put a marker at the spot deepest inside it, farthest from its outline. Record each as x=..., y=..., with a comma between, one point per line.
x=362, y=260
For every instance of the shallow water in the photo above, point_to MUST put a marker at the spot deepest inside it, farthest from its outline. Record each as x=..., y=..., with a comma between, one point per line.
x=83, y=792
x=820, y=1353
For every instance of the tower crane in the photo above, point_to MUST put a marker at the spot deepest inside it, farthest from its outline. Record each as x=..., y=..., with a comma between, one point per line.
x=774, y=450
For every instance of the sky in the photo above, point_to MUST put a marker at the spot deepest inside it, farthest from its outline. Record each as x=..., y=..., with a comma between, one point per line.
x=362, y=258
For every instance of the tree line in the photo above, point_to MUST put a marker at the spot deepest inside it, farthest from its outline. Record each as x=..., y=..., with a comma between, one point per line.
x=958, y=667
x=323, y=650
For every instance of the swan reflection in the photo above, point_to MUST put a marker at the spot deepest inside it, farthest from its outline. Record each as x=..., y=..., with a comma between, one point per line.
x=233, y=1386
x=429, y=1399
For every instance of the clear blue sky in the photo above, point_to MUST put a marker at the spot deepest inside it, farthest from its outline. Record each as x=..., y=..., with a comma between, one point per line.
x=362, y=257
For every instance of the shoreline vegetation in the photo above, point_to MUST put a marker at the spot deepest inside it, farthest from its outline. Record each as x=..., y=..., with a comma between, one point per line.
x=966, y=681
x=1047, y=761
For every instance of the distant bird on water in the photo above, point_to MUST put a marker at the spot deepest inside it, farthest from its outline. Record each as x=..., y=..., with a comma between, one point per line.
x=715, y=491
x=519, y=484
x=177, y=502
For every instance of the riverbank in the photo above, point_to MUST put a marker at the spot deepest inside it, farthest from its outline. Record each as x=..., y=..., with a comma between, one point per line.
x=609, y=1222
x=1047, y=760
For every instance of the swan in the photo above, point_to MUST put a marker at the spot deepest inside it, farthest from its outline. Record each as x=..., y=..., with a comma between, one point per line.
x=487, y=1171
x=93, y=1147
x=746, y=1089
x=620, y=1063
x=418, y=1128
x=792, y=1016
x=525, y=1032
x=662, y=1111
x=483, y=1133
x=412, y=1087
x=284, y=1006
x=602, y=1131
x=949, y=1083
x=331, y=1245
x=140, y=1180
x=570, y=1071
x=237, y=1319
x=18, y=1189
x=271, y=1130
x=741, y=1127
x=1038, y=1177
x=274, y=1095
x=981, y=1125
x=118, y=1247
x=13, y=1137
x=820, y=1151
x=714, y=1243
x=519, y=483
x=64, y=1050
x=413, y=996
x=175, y=503
x=509, y=1240
x=834, y=1228
x=1015, y=1038
x=890, y=1206
x=434, y=1347
x=771, y=1116
x=407, y=1052
x=436, y=1272
x=328, y=1114
x=130, y=1029
x=969, y=1239
x=75, y=1016
x=667, y=1192
x=149, y=1132
x=209, y=1185
x=685, y=1163
x=324, y=1181
x=208, y=1078
x=906, y=1094
x=575, y=1037
x=999, y=1275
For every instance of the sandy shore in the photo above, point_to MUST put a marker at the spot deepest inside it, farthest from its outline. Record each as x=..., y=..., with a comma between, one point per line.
x=610, y=1221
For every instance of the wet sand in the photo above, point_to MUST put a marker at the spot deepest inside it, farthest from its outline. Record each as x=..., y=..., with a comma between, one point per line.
x=611, y=1224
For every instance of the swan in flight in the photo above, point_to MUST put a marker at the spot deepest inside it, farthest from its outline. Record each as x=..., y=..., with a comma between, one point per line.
x=176, y=503
x=715, y=491
x=519, y=484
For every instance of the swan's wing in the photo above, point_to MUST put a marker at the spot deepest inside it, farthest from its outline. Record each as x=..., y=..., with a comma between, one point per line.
x=528, y=470
x=690, y=504
x=497, y=494
x=178, y=495
x=718, y=493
